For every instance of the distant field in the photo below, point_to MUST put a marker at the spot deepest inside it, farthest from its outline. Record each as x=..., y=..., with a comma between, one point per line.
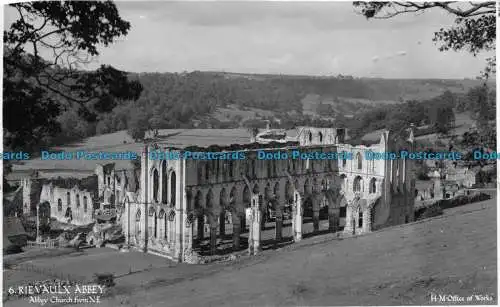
x=121, y=142
x=463, y=122
x=232, y=112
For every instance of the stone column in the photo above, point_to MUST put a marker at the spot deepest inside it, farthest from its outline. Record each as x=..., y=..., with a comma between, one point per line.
x=188, y=238
x=222, y=224
x=250, y=230
x=367, y=220
x=348, y=221
x=144, y=199
x=297, y=217
x=201, y=229
x=254, y=237
x=213, y=238
x=236, y=231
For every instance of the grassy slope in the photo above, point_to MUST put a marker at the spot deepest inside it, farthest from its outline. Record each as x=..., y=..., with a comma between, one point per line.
x=400, y=265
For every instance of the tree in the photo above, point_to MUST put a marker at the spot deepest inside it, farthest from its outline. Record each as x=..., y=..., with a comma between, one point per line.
x=474, y=30
x=138, y=125
x=36, y=90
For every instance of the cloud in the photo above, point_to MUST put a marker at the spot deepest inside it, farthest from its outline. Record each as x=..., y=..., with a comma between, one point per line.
x=277, y=37
x=284, y=59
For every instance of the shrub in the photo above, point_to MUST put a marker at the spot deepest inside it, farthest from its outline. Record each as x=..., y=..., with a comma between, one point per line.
x=427, y=212
x=104, y=279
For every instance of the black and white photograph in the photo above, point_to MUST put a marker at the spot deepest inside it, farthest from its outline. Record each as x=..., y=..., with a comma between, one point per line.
x=249, y=153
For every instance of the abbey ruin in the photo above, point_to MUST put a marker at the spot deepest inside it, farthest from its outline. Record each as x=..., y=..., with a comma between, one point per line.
x=185, y=208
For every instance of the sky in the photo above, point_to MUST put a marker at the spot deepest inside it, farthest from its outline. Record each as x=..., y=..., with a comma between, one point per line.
x=301, y=38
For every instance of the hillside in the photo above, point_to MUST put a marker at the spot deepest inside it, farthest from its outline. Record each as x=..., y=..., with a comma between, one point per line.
x=231, y=100
x=215, y=97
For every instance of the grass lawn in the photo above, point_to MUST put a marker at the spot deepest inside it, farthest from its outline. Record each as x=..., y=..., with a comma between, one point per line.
x=453, y=254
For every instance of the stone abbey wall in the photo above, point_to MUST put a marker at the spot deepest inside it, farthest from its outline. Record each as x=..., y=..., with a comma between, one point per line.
x=180, y=200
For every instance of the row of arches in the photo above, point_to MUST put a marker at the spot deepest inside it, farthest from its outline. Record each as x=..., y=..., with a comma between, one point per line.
x=68, y=202
x=358, y=185
x=161, y=225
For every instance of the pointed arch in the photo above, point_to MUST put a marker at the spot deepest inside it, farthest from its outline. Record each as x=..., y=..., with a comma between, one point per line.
x=359, y=161
x=373, y=186
x=358, y=184
x=156, y=184
x=173, y=188
x=164, y=175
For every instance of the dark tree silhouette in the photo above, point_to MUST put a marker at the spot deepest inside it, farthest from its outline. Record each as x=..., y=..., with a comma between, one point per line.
x=36, y=90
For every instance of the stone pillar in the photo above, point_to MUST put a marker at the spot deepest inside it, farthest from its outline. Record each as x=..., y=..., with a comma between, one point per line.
x=297, y=217
x=348, y=229
x=201, y=228
x=254, y=237
x=367, y=220
x=222, y=224
x=144, y=199
x=236, y=231
x=213, y=238
x=188, y=238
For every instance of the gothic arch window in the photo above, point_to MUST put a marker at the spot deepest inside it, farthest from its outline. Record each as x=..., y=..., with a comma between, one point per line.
x=310, y=137
x=320, y=137
x=357, y=184
x=343, y=181
x=373, y=186
x=360, y=219
x=68, y=199
x=231, y=166
x=173, y=190
x=78, y=200
x=360, y=161
x=200, y=173
x=85, y=205
x=156, y=184
x=59, y=205
x=164, y=175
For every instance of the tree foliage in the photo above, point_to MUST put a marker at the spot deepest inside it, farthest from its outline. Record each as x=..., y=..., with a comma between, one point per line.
x=44, y=49
x=474, y=29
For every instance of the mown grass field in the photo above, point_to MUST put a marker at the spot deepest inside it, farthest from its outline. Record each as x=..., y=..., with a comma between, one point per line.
x=453, y=254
